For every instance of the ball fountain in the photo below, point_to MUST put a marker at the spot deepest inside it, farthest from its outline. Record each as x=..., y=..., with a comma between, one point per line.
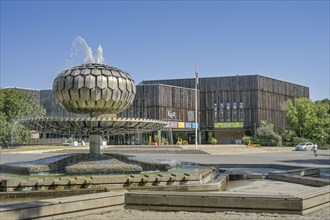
x=98, y=92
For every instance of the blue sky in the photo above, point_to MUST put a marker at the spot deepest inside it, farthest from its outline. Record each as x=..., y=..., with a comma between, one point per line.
x=286, y=40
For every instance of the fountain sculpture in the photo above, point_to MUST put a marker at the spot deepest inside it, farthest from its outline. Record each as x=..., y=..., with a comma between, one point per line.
x=101, y=91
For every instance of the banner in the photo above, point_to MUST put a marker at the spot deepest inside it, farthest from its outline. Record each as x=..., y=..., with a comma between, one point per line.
x=194, y=125
x=181, y=125
x=174, y=124
x=188, y=124
x=191, y=116
x=228, y=125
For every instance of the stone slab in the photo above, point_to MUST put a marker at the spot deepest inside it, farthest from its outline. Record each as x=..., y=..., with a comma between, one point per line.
x=298, y=203
x=69, y=206
x=298, y=179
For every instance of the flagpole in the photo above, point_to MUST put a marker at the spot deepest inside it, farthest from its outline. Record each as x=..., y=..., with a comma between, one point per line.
x=196, y=127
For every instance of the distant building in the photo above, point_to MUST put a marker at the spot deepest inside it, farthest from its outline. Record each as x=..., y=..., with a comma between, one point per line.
x=228, y=107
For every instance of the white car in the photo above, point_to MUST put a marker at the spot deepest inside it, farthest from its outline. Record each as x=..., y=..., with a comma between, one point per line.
x=304, y=146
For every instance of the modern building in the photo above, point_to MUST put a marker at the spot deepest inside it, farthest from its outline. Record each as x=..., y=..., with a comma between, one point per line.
x=228, y=107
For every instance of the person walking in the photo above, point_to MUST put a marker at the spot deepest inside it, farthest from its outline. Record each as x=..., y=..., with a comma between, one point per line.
x=314, y=149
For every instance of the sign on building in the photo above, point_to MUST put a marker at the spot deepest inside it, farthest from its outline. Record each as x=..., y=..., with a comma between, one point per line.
x=171, y=115
x=228, y=125
x=191, y=116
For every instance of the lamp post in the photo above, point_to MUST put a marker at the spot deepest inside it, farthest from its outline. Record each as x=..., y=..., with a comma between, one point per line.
x=196, y=127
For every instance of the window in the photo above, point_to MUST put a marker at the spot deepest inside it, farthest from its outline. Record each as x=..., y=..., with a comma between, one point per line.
x=144, y=107
x=234, y=111
x=228, y=112
x=241, y=111
x=131, y=111
x=222, y=115
x=137, y=108
x=215, y=112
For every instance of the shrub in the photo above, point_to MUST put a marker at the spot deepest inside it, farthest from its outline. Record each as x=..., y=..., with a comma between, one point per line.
x=161, y=140
x=181, y=141
x=246, y=139
x=266, y=136
x=184, y=142
x=214, y=141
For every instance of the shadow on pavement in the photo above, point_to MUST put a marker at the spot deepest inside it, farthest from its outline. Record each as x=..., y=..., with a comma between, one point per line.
x=314, y=160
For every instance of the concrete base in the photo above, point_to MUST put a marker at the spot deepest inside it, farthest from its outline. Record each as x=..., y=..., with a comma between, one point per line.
x=301, y=202
x=213, y=202
x=95, y=143
x=64, y=207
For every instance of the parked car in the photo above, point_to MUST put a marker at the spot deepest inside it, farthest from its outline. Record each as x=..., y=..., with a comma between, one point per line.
x=304, y=146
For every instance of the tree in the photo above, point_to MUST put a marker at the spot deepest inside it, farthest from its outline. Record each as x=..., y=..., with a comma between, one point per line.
x=16, y=105
x=266, y=135
x=322, y=109
x=309, y=120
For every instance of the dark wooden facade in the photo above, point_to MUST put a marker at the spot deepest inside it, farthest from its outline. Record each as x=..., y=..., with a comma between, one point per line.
x=249, y=99
x=155, y=101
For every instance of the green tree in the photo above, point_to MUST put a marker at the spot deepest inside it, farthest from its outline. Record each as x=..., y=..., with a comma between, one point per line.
x=266, y=135
x=322, y=109
x=309, y=120
x=16, y=105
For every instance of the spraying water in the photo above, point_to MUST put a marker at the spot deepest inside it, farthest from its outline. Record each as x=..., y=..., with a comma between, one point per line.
x=100, y=58
x=80, y=44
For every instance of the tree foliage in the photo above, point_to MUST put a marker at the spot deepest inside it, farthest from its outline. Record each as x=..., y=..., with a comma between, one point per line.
x=266, y=135
x=308, y=119
x=16, y=105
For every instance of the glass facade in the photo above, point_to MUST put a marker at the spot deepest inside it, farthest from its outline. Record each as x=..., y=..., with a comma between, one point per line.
x=216, y=112
x=234, y=111
x=228, y=112
x=241, y=112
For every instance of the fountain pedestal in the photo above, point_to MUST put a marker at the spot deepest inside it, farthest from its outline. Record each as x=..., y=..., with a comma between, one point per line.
x=101, y=91
x=95, y=142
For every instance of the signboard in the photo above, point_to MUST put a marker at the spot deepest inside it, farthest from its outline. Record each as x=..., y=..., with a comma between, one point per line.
x=188, y=124
x=174, y=124
x=181, y=125
x=228, y=125
x=194, y=125
x=191, y=115
x=171, y=115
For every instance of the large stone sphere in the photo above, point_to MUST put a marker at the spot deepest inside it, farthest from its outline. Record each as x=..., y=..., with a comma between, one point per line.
x=94, y=88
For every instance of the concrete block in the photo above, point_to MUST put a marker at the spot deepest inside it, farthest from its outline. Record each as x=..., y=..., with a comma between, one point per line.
x=255, y=176
x=11, y=182
x=64, y=180
x=57, y=208
x=48, y=181
x=299, y=179
x=80, y=180
x=23, y=183
x=215, y=200
x=32, y=182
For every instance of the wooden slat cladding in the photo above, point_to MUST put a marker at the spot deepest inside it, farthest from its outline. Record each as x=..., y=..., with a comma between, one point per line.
x=272, y=94
x=159, y=100
x=261, y=96
x=281, y=87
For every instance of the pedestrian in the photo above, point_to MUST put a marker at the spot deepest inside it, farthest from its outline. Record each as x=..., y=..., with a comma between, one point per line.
x=314, y=149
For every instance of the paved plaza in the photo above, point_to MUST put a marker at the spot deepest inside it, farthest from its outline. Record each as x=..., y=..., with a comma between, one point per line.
x=218, y=154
